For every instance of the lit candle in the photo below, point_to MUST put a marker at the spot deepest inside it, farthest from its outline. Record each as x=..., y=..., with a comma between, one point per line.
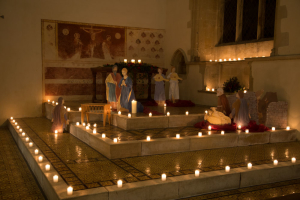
x=83, y=124
x=139, y=61
x=220, y=60
x=168, y=114
x=150, y=114
x=199, y=134
x=11, y=118
x=125, y=60
x=115, y=140
x=207, y=89
x=87, y=128
x=209, y=128
x=103, y=135
x=148, y=138
x=55, y=131
x=239, y=126
x=119, y=113
x=133, y=60
x=68, y=109
x=36, y=151
x=213, y=89
x=56, y=103
x=40, y=158
x=206, y=112
x=222, y=132
x=95, y=125
x=225, y=60
x=209, y=132
x=245, y=91
x=70, y=190
x=273, y=128
x=27, y=139
x=23, y=134
x=216, y=60
x=229, y=59
x=65, y=107
x=47, y=167
x=293, y=159
x=53, y=102
x=249, y=165
x=197, y=172
x=133, y=106
x=187, y=113
x=129, y=115
x=239, y=59
x=227, y=169
x=163, y=177
x=94, y=131
x=120, y=183
x=30, y=144
x=177, y=135
x=18, y=127
x=14, y=121
x=79, y=108
x=210, y=60
x=165, y=105
x=234, y=59
x=21, y=130
x=288, y=128
x=55, y=178
x=88, y=124
x=48, y=100
x=275, y=162
x=247, y=131
x=77, y=123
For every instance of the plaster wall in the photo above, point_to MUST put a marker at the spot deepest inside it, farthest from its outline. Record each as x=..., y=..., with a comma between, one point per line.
x=20, y=33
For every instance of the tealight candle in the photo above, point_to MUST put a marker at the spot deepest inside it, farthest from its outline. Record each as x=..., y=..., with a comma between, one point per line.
x=103, y=135
x=77, y=123
x=95, y=125
x=206, y=112
x=148, y=138
x=210, y=60
x=207, y=89
x=55, y=131
x=119, y=113
x=27, y=139
x=70, y=190
x=40, y=158
x=30, y=144
x=293, y=159
x=225, y=60
x=197, y=172
x=94, y=131
x=53, y=102
x=56, y=103
x=120, y=183
x=165, y=105
x=55, y=178
x=163, y=177
x=245, y=91
x=150, y=114
x=216, y=60
x=222, y=132
x=48, y=100
x=139, y=61
x=212, y=89
x=239, y=126
x=247, y=131
x=209, y=132
x=288, y=128
x=234, y=59
x=14, y=121
x=273, y=128
x=65, y=107
x=186, y=113
x=18, y=127
x=36, y=151
x=249, y=165
x=68, y=109
x=177, y=135
x=21, y=130
x=47, y=167
x=23, y=134
x=227, y=169
x=220, y=60
x=199, y=134
x=115, y=140
x=125, y=60
x=275, y=162
x=79, y=108
x=88, y=124
x=83, y=124
x=229, y=59
x=11, y=118
x=129, y=115
x=168, y=114
x=87, y=128
x=209, y=127
x=239, y=59
x=132, y=60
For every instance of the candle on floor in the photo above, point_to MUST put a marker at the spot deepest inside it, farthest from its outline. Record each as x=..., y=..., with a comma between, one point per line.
x=119, y=113
x=247, y=131
x=103, y=135
x=139, y=61
x=70, y=190
x=293, y=159
x=79, y=108
x=115, y=140
x=55, y=131
x=177, y=135
x=94, y=131
x=133, y=106
x=68, y=109
x=83, y=124
x=40, y=158
x=148, y=138
x=95, y=125
x=187, y=113
x=197, y=172
x=150, y=114
x=23, y=134
x=209, y=128
x=275, y=162
x=209, y=132
x=168, y=114
x=249, y=165
x=227, y=169
x=239, y=126
x=273, y=129
x=77, y=123
x=36, y=151
x=163, y=177
x=132, y=60
x=222, y=132
x=125, y=60
x=47, y=167
x=27, y=139
x=87, y=128
x=129, y=115
x=55, y=178
x=120, y=183
x=30, y=144
x=199, y=134
x=288, y=128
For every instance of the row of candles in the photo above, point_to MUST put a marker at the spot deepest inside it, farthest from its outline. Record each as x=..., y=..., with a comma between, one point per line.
x=133, y=61
x=213, y=89
x=224, y=60
x=36, y=152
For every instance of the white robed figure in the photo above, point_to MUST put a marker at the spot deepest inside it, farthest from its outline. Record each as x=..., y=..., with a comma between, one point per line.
x=174, y=88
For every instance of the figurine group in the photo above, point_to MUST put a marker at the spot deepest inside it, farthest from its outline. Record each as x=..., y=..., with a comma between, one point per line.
x=119, y=92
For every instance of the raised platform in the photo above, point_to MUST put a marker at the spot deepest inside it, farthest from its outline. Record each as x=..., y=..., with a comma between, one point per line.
x=173, y=188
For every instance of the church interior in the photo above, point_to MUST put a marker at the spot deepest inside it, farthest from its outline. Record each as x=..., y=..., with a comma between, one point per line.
x=151, y=99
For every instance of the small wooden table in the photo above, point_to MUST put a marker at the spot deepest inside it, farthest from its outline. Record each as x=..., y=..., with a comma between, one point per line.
x=96, y=108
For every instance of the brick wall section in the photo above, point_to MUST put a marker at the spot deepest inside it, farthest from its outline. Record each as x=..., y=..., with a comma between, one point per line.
x=277, y=114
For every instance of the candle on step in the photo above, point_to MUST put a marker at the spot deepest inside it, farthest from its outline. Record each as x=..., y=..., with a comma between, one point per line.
x=187, y=113
x=87, y=128
x=40, y=158
x=199, y=134
x=129, y=115
x=11, y=118
x=210, y=60
x=139, y=61
x=273, y=128
x=288, y=128
x=249, y=165
x=293, y=159
x=68, y=109
x=70, y=190
x=16, y=123
x=55, y=131
x=20, y=130
x=209, y=132
x=94, y=131
x=65, y=107
x=209, y=128
x=83, y=124
x=148, y=138
x=55, y=178
x=239, y=59
x=227, y=169
x=165, y=105
x=30, y=144
x=77, y=123
x=53, y=102
x=222, y=132
x=132, y=60
x=225, y=60
x=134, y=106
x=95, y=125
x=47, y=167
x=150, y=114
x=103, y=135
x=197, y=172
x=56, y=103
x=119, y=113
x=234, y=59
x=36, y=151
x=163, y=177
x=229, y=59
x=207, y=89
x=79, y=108
x=27, y=139
x=18, y=127
x=220, y=60
x=125, y=60
x=245, y=91
x=13, y=121
x=275, y=162
x=216, y=60
x=177, y=135
x=115, y=140
x=23, y=134
x=239, y=126
x=212, y=89
x=206, y=112
x=48, y=100
x=168, y=114
x=120, y=183
x=247, y=131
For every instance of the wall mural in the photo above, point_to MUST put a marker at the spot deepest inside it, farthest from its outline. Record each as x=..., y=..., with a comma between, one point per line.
x=70, y=49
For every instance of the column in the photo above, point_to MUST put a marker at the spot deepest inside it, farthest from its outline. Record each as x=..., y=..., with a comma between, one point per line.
x=239, y=20
x=261, y=19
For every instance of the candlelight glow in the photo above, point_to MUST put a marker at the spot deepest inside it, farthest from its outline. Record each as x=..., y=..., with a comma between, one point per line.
x=239, y=126
x=87, y=128
x=68, y=109
x=293, y=159
x=209, y=132
x=150, y=114
x=119, y=113
x=197, y=172
x=209, y=128
x=120, y=183
x=222, y=132
x=77, y=123
x=288, y=128
x=213, y=89
x=249, y=165
x=94, y=131
x=273, y=128
x=103, y=135
x=132, y=60
x=163, y=177
x=55, y=178
x=83, y=124
x=227, y=169
x=148, y=138
x=70, y=190
x=139, y=61
x=23, y=134
x=245, y=91
x=95, y=125
x=47, y=167
x=210, y=60
x=40, y=158
x=125, y=60
x=129, y=115
x=36, y=151
x=199, y=134
x=79, y=108
x=30, y=144
x=56, y=103
x=187, y=113
x=247, y=131
x=168, y=114
x=27, y=139
x=115, y=140
x=177, y=135
x=55, y=131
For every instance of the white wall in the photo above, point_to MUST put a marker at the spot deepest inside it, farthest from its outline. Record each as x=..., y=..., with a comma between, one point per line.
x=20, y=47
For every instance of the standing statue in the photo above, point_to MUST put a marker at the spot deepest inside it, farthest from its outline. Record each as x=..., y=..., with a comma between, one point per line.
x=240, y=110
x=113, y=91
x=159, y=94
x=174, y=88
x=59, y=117
x=127, y=93
x=223, y=105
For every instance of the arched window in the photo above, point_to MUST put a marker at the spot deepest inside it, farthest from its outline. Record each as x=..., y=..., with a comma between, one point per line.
x=179, y=61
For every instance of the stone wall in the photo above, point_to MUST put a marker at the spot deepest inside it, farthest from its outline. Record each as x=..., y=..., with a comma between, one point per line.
x=277, y=113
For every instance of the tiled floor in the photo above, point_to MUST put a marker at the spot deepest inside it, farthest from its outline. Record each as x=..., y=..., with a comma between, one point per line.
x=16, y=180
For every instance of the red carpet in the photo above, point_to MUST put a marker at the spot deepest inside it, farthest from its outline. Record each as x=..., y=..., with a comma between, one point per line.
x=180, y=103
x=147, y=111
x=150, y=103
